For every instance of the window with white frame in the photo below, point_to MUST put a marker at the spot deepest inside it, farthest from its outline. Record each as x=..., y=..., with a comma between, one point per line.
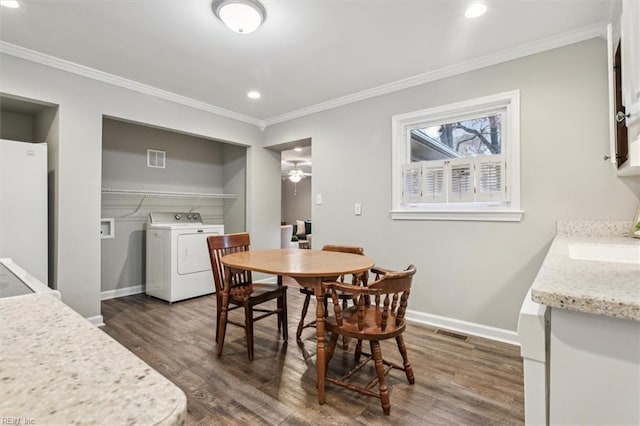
x=459, y=161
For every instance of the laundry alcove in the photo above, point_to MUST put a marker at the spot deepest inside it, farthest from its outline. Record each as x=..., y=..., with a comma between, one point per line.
x=196, y=175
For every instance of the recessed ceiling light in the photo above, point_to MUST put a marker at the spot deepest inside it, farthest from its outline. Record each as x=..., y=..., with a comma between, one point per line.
x=298, y=149
x=13, y=4
x=475, y=10
x=241, y=16
x=254, y=94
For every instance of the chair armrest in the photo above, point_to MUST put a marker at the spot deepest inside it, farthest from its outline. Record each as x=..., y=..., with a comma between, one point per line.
x=380, y=271
x=349, y=288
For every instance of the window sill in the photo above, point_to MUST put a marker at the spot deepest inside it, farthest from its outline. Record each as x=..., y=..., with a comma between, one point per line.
x=465, y=215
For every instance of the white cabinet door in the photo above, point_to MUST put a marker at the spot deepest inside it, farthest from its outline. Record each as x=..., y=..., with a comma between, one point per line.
x=630, y=35
x=630, y=58
x=594, y=369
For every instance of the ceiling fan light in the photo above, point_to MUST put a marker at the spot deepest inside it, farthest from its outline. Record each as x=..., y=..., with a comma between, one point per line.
x=241, y=16
x=295, y=178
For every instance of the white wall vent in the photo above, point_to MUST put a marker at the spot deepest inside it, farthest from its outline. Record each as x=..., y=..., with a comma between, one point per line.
x=155, y=158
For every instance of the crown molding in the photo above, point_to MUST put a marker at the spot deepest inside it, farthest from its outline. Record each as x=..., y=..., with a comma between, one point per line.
x=64, y=65
x=582, y=34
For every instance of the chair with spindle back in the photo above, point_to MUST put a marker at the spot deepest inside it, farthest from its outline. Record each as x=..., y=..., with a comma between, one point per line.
x=244, y=293
x=355, y=280
x=378, y=315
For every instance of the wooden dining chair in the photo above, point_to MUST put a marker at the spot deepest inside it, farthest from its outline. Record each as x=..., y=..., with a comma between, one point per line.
x=378, y=315
x=243, y=292
x=308, y=292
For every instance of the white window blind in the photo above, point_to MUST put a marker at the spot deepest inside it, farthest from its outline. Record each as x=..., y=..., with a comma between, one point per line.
x=434, y=187
x=412, y=185
x=473, y=179
x=490, y=178
x=460, y=180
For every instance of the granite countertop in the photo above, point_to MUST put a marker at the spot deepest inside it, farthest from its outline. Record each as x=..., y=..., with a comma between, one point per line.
x=57, y=368
x=595, y=287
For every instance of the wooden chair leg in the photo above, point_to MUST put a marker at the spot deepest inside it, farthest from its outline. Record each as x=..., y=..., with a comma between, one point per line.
x=332, y=347
x=376, y=353
x=248, y=329
x=345, y=339
x=358, y=352
x=283, y=314
x=221, y=327
x=218, y=308
x=405, y=359
x=305, y=307
x=279, y=306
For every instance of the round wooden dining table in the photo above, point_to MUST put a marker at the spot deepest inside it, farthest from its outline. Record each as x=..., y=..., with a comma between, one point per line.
x=308, y=268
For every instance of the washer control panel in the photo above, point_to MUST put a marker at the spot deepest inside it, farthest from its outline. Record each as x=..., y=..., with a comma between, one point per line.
x=174, y=218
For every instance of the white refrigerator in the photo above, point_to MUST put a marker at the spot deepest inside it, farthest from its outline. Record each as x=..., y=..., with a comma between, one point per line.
x=23, y=206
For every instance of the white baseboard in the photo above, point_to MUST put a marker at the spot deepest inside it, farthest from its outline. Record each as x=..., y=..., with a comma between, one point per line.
x=97, y=320
x=121, y=292
x=474, y=329
x=488, y=332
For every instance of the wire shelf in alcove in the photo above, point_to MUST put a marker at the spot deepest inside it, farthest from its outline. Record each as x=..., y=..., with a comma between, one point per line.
x=166, y=194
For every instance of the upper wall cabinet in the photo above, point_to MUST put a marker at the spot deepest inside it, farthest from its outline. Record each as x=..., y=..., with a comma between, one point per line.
x=630, y=36
x=624, y=53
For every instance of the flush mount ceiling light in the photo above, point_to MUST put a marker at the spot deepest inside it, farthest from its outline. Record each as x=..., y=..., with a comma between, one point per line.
x=253, y=94
x=475, y=10
x=13, y=4
x=241, y=16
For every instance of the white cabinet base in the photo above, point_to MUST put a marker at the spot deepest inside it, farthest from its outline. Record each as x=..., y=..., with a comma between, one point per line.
x=595, y=369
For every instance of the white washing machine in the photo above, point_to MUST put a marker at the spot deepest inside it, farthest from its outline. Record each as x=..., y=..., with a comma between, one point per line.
x=178, y=265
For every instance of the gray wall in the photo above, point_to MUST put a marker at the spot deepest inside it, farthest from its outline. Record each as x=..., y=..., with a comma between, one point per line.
x=17, y=127
x=234, y=174
x=192, y=165
x=473, y=271
x=296, y=207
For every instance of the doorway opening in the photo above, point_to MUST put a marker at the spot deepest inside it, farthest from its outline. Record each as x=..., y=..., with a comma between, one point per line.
x=296, y=171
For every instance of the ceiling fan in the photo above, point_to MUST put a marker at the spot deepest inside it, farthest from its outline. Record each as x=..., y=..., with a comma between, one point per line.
x=296, y=174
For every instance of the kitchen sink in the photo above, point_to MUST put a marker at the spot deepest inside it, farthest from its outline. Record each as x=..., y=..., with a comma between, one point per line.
x=605, y=253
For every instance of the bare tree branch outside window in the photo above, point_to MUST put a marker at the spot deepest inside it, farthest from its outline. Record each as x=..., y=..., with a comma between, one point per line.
x=466, y=138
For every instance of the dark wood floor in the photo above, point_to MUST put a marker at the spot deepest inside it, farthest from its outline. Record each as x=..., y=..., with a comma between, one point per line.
x=473, y=381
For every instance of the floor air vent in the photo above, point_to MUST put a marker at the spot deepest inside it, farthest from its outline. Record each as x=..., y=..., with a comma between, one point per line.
x=453, y=334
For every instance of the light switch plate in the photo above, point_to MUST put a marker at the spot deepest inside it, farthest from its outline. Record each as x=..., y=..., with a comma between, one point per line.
x=318, y=198
x=357, y=209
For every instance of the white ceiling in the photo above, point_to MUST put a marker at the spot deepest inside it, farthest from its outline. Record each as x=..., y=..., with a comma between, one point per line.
x=307, y=52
